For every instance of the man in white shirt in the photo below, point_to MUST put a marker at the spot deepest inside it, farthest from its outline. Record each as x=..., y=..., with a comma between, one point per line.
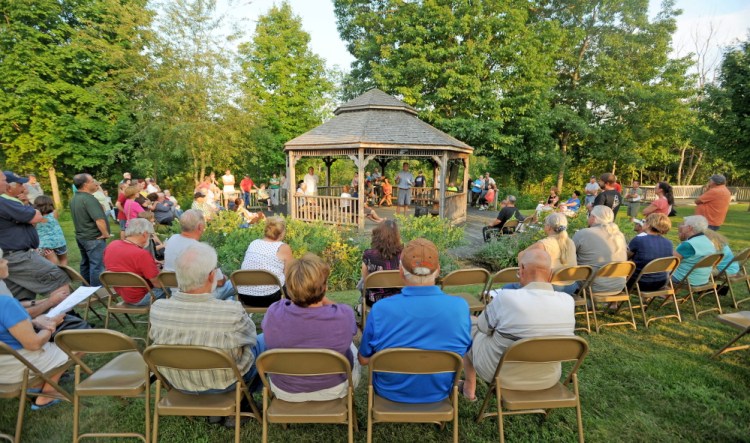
x=534, y=310
x=592, y=190
x=311, y=182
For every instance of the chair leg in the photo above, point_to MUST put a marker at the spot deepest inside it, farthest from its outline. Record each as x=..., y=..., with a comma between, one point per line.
x=643, y=311
x=455, y=414
x=76, y=403
x=21, y=406
x=632, y=315
x=264, y=435
x=579, y=416
x=369, y=413
x=350, y=415
x=731, y=292
x=728, y=347
x=718, y=301
x=148, y=406
x=237, y=401
x=157, y=399
x=593, y=310
x=106, y=319
x=692, y=300
x=500, y=427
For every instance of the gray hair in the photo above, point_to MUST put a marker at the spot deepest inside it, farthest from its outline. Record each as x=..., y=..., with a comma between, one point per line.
x=191, y=220
x=697, y=223
x=605, y=218
x=419, y=279
x=193, y=266
x=139, y=226
x=511, y=198
x=718, y=179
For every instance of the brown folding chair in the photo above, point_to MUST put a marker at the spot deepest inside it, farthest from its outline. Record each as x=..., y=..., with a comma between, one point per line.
x=247, y=277
x=623, y=269
x=378, y=280
x=306, y=363
x=125, y=375
x=709, y=261
x=538, y=350
x=168, y=280
x=77, y=280
x=32, y=378
x=645, y=298
x=500, y=278
x=465, y=277
x=509, y=227
x=414, y=361
x=737, y=320
x=113, y=280
x=742, y=276
x=196, y=358
x=583, y=275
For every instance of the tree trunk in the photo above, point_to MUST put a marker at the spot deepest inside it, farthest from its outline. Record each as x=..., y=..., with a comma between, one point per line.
x=563, y=142
x=693, y=166
x=55, y=188
x=682, y=162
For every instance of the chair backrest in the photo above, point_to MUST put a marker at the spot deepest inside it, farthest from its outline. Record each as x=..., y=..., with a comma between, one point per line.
x=187, y=358
x=546, y=350
x=303, y=363
x=462, y=277
x=74, y=276
x=415, y=361
x=616, y=269
x=93, y=341
x=123, y=280
x=503, y=276
x=384, y=279
x=168, y=279
x=255, y=277
x=570, y=274
x=511, y=224
x=709, y=261
x=740, y=259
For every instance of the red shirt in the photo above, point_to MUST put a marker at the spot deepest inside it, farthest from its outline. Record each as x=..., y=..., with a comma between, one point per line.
x=247, y=184
x=121, y=200
x=123, y=256
x=618, y=188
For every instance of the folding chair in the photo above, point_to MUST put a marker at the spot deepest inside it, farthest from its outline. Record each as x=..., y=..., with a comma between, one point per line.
x=500, y=278
x=248, y=277
x=306, y=363
x=414, y=361
x=581, y=274
x=623, y=269
x=742, y=276
x=645, y=298
x=538, y=350
x=465, y=277
x=168, y=280
x=125, y=375
x=737, y=320
x=32, y=378
x=196, y=358
x=709, y=261
x=378, y=280
x=113, y=280
x=77, y=280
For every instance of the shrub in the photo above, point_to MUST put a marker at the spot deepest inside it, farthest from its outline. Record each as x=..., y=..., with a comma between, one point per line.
x=435, y=229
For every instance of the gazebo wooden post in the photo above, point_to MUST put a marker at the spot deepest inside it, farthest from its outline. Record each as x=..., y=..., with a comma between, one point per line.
x=443, y=185
x=465, y=160
x=328, y=160
x=362, y=198
x=292, y=183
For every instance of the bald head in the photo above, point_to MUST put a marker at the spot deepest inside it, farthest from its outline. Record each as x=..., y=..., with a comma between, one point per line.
x=535, y=265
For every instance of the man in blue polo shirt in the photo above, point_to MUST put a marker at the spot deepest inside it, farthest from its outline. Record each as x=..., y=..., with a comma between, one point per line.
x=421, y=317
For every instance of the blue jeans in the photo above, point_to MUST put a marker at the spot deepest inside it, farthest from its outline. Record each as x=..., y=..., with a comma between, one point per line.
x=92, y=259
x=225, y=292
x=274, y=193
x=247, y=377
x=246, y=197
x=146, y=300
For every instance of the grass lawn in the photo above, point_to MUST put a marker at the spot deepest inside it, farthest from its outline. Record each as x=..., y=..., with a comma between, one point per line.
x=655, y=384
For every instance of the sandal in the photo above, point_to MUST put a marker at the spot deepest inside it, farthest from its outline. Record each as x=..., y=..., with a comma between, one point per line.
x=461, y=390
x=36, y=407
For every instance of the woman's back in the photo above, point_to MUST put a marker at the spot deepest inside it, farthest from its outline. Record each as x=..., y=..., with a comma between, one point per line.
x=261, y=255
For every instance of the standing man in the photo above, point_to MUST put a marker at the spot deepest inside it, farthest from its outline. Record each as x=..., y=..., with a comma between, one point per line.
x=33, y=188
x=246, y=185
x=91, y=227
x=404, y=181
x=311, y=182
x=634, y=196
x=421, y=317
x=592, y=189
x=714, y=203
x=609, y=197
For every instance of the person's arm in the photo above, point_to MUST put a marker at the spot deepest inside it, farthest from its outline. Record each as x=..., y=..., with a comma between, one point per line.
x=285, y=254
x=101, y=224
x=30, y=339
x=683, y=250
x=36, y=308
x=649, y=209
x=365, y=272
x=704, y=198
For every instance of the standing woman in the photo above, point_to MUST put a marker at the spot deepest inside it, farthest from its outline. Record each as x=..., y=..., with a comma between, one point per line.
x=271, y=254
x=229, y=192
x=664, y=200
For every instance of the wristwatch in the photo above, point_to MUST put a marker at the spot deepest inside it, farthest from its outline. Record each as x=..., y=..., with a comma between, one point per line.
x=33, y=302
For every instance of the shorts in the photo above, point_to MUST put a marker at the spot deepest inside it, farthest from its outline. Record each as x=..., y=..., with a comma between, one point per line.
x=30, y=274
x=62, y=250
x=404, y=197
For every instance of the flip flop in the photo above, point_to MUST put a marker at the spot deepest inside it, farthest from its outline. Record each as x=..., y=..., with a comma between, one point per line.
x=34, y=391
x=461, y=390
x=36, y=407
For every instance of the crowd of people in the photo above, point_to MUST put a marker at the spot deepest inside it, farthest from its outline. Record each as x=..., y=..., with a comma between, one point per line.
x=203, y=311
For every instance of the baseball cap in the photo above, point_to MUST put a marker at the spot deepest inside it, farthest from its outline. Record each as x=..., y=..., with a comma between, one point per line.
x=716, y=178
x=420, y=257
x=10, y=177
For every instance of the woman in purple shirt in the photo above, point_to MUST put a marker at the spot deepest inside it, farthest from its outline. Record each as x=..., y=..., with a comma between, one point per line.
x=309, y=320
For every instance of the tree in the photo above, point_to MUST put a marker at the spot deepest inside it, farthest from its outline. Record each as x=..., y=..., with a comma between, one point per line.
x=285, y=84
x=69, y=70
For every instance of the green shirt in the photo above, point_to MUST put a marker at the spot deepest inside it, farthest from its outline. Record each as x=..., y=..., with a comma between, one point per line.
x=86, y=210
x=274, y=182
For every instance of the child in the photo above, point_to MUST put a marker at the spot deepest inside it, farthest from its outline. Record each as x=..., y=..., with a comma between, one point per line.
x=387, y=192
x=52, y=245
x=155, y=246
x=263, y=196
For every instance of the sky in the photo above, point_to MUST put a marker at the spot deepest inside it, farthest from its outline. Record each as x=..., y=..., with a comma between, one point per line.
x=730, y=20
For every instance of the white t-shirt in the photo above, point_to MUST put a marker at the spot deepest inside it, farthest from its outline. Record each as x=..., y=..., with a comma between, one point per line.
x=311, y=181
x=592, y=188
x=345, y=203
x=175, y=246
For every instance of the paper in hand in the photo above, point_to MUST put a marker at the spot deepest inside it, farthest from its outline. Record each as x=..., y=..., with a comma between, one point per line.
x=70, y=302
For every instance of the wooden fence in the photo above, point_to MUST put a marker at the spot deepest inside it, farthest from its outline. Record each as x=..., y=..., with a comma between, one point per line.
x=739, y=194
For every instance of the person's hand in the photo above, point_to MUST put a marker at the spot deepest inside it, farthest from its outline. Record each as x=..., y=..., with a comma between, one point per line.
x=57, y=296
x=45, y=323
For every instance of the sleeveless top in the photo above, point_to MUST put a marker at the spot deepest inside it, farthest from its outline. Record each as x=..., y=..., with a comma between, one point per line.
x=261, y=255
x=50, y=234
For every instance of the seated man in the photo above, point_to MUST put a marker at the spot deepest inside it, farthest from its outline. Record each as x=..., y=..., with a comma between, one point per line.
x=507, y=212
x=534, y=310
x=694, y=247
x=192, y=316
x=422, y=317
x=129, y=255
x=192, y=226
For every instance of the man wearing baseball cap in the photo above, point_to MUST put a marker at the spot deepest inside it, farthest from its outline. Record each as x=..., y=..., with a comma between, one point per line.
x=420, y=317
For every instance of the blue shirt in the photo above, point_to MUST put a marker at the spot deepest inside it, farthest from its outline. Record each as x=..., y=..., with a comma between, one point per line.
x=11, y=314
x=421, y=317
x=728, y=257
x=692, y=251
x=646, y=248
x=576, y=206
x=16, y=234
x=50, y=234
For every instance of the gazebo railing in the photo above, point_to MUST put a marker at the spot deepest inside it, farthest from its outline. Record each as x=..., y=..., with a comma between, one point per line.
x=331, y=210
x=455, y=206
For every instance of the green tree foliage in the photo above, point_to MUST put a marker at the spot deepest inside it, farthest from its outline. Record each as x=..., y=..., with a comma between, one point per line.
x=69, y=70
x=285, y=84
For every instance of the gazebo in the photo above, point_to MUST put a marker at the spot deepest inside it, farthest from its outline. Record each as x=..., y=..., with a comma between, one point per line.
x=378, y=127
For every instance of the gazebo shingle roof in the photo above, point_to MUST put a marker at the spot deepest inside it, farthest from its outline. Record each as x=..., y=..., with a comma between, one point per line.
x=376, y=119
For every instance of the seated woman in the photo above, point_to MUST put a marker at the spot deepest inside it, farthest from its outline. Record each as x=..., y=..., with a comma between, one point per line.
x=387, y=193
x=19, y=332
x=310, y=320
x=154, y=246
x=489, y=198
x=550, y=204
x=644, y=248
x=722, y=245
x=263, y=197
x=250, y=218
x=270, y=254
x=663, y=202
x=384, y=255
x=572, y=205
